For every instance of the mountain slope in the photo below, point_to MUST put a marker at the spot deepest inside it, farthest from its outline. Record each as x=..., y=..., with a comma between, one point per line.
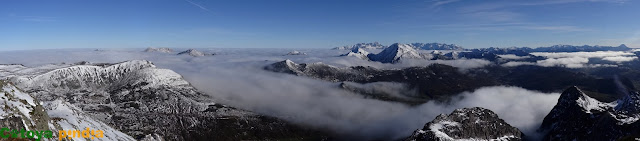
x=141, y=100
x=21, y=111
x=580, y=117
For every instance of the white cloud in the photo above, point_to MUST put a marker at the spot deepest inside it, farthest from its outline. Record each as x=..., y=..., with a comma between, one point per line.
x=573, y=62
x=514, y=57
x=576, y=59
x=620, y=58
x=517, y=63
x=597, y=54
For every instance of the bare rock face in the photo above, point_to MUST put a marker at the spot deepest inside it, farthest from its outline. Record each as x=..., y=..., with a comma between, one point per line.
x=467, y=124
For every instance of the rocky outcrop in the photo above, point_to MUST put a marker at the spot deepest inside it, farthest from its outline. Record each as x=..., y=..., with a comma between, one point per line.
x=467, y=124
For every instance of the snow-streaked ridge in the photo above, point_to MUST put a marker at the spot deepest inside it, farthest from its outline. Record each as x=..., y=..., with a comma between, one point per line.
x=97, y=76
x=396, y=53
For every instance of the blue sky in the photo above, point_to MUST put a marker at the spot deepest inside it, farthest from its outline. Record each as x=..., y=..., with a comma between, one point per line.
x=32, y=24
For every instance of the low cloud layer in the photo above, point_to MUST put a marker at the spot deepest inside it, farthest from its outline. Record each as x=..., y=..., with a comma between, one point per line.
x=597, y=54
x=513, y=57
x=577, y=59
x=235, y=77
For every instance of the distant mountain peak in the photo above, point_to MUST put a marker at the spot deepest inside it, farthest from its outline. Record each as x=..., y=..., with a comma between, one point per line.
x=194, y=53
x=623, y=46
x=436, y=46
x=295, y=52
x=374, y=45
x=163, y=50
x=359, y=53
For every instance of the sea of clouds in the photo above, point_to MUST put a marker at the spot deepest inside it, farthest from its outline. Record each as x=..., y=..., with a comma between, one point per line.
x=575, y=59
x=235, y=77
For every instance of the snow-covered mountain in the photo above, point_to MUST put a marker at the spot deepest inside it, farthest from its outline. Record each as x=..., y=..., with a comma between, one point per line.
x=419, y=46
x=396, y=53
x=374, y=45
x=359, y=53
x=436, y=46
x=467, y=124
x=578, y=116
x=138, y=99
x=22, y=111
x=194, y=53
x=163, y=50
